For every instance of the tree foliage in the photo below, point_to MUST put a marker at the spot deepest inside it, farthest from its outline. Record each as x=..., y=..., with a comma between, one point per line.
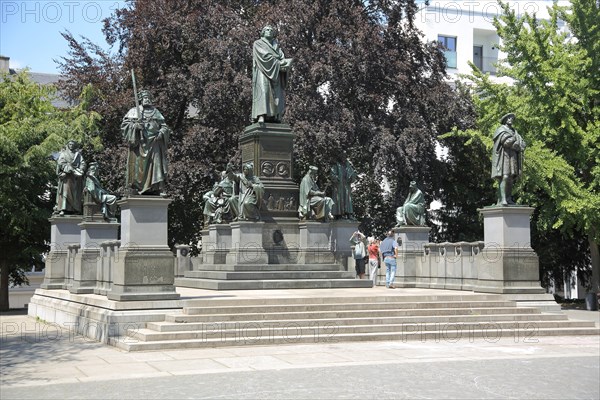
x=362, y=81
x=31, y=129
x=556, y=97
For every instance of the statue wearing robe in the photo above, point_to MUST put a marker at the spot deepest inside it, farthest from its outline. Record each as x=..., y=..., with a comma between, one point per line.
x=413, y=210
x=313, y=202
x=70, y=170
x=342, y=175
x=269, y=78
x=147, y=136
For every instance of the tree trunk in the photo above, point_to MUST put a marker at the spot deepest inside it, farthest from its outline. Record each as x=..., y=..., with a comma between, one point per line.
x=4, y=274
x=595, y=253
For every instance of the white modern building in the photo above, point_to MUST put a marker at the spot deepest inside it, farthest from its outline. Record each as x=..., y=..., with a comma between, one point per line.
x=466, y=29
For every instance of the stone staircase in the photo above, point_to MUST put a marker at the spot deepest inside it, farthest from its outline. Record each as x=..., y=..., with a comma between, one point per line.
x=329, y=319
x=269, y=276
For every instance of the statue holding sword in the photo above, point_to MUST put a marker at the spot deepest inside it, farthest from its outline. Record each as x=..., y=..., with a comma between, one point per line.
x=147, y=136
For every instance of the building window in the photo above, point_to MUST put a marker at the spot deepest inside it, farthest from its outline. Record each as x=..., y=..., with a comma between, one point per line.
x=478, y=57
x=449, y=42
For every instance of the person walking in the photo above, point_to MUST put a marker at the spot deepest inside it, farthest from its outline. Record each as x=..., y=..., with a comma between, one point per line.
x=373, y=250
x=389, y=252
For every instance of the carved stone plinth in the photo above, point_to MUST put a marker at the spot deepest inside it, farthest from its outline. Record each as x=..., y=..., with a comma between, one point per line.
x=270, y=148
x=88, y=262
x=144, y=269
x=218, y=244
x=247, y=244
x=508, y=263
x=412, y=240
x=63, y=232
x=315, y=243
x=341, y=231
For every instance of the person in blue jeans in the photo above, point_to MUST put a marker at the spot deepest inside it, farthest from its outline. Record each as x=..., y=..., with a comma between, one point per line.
x=389, y=251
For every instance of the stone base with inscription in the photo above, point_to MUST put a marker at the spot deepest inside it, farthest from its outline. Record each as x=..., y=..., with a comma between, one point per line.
x=144, y=269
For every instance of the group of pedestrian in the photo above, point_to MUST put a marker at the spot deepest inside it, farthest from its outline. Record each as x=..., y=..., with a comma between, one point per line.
x=374, y=251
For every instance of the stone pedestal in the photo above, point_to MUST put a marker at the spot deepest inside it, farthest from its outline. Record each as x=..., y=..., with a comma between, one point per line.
x=270, y=148
x=247, y=243
x=145, y=264
x=218, y=244
x=281, y=240
x=88, y=263
x=508, y=263
x=183, y=262
x=63, y=232
x=341, y=232
x=412, y=241
x=315, y=243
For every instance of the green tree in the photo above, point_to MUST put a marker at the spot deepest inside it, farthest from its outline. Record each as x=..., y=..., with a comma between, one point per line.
x=556, y=98
x=31, y=129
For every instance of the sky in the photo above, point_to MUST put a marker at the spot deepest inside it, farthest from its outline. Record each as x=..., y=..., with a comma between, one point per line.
x=30, y=30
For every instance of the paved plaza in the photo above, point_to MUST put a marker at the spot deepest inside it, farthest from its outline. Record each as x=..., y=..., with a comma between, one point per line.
x=41, y=360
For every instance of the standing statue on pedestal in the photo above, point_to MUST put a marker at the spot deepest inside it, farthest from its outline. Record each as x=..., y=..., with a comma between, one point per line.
x=270, y=71
x=99, y=195
x=70, y=170
x=217, y=202
x=413, y=210
x=313, y=202
x=342, y=176
x=147, y=136
x=247, y=201
x=507, y=159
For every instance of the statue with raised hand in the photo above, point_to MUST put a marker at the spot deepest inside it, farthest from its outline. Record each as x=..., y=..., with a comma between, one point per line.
x=270, y=71
x=507, y=159
x=70, y=169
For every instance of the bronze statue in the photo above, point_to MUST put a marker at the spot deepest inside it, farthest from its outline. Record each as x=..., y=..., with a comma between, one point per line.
x=147, y=136
x=270, y=71
x=218, y=206
x=507, y=159
x=70, y=170
x=413, y=210
x=247, y=199
x=342, y=176
x=313, y=202
x=100, y=196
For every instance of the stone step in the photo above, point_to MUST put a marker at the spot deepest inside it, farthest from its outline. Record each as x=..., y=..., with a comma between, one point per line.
x=164, y=326
x=262, y=316
x=364, y=297
x=216, y=284
x=268, y=267
x=269, y=275
x=285, y=308
x=250, y=331
x=454, y=336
